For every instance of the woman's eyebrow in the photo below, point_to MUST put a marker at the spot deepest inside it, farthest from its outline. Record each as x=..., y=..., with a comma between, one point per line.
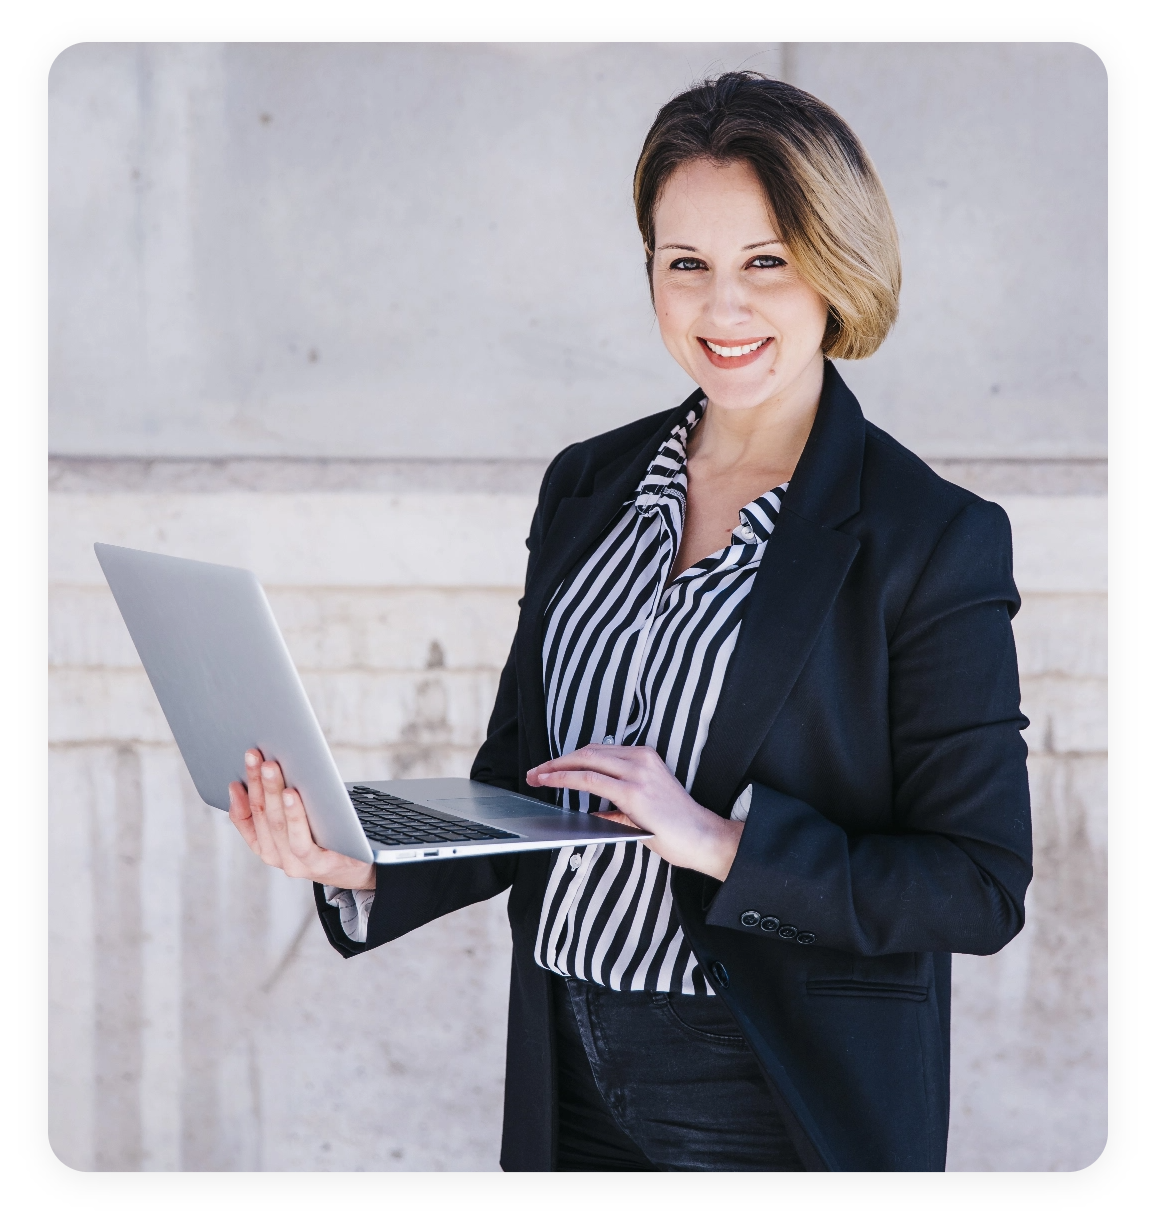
x=687, y=246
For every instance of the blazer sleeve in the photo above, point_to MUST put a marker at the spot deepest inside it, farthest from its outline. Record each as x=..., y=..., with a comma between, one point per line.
x=409, y=896
x=952, y=872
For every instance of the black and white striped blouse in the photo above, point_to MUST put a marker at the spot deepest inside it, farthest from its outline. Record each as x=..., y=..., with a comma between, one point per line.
x=629, y=660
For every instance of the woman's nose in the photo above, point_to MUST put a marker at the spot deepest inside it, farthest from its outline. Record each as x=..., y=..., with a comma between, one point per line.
x=728, y=303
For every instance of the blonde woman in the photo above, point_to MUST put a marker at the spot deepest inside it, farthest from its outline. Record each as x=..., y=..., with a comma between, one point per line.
x=758, y=628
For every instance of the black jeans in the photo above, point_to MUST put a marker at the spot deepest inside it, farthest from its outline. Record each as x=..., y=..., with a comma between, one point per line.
x=660, y=1082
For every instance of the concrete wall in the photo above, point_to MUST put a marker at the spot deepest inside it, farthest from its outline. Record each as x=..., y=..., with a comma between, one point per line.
x=326, y=311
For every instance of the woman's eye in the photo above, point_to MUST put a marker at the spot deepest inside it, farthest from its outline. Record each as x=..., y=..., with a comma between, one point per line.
x=684, y=263
x=767, y=262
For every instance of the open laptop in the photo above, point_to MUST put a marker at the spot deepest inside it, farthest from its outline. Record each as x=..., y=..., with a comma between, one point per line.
x=225, y=681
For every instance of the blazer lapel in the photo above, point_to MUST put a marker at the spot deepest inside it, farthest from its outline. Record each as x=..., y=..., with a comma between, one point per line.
x=801, y=573
x=803, y=568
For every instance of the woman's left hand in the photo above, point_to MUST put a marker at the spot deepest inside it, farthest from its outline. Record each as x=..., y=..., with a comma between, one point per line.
x=648, y=797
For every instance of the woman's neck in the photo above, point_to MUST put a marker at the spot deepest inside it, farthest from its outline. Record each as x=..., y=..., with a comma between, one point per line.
x=767, y=438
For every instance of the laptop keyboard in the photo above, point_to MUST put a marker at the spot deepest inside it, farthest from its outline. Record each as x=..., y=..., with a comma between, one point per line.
x=394, y=822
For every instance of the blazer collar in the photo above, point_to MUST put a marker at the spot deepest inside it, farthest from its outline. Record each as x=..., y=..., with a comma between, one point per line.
x=825, y=484
x=824, y=488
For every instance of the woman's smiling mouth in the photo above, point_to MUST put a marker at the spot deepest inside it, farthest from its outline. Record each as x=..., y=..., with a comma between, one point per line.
x=730, y=354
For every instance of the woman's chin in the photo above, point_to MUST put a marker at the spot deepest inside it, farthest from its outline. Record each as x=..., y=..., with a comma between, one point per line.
x=739, y=390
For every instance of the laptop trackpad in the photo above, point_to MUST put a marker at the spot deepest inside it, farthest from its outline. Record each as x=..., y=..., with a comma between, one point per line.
x=494, y=809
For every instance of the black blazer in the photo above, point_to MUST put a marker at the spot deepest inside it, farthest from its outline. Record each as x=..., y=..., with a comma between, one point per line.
x=873, y=701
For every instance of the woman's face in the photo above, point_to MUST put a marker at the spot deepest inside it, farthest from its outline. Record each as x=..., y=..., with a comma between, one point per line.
x=724, y=282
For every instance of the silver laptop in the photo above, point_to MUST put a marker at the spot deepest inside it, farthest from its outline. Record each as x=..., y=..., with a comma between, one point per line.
x=225, y=681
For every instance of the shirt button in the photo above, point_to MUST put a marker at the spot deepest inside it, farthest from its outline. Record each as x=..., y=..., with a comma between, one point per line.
x=575, y=861
x=608, y=740
x=746, y=532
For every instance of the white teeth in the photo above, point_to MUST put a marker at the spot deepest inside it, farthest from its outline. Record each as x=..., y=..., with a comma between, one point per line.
x=735, y=351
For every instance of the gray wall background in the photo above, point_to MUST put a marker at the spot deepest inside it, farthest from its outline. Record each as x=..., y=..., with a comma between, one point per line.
x=327, y=311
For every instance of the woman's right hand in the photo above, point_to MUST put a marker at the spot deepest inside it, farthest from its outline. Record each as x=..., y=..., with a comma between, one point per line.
x=272, y=820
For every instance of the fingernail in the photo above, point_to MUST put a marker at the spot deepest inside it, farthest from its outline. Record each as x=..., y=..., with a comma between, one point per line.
x=290, y=800
x=267, y=772
x=251, y=759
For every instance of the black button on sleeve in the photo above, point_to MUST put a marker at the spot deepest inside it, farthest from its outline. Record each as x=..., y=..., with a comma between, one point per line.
x=769, y=924
x=788, y=932
x=750, y=918
x=805, y=939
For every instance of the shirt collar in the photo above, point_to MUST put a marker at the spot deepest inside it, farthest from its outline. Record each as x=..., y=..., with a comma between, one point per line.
x=665, y=482
x=665, y=477
x=757, y=518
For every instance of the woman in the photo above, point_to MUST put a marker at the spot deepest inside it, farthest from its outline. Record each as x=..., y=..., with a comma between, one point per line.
x=760, y=629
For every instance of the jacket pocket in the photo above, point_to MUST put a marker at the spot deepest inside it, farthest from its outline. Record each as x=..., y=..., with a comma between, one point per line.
x=891, y=977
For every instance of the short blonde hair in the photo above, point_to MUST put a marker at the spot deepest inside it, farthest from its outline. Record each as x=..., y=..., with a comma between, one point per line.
x=831, y=209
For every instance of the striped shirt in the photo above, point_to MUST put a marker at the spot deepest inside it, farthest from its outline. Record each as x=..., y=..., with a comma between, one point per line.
x=629, y=660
